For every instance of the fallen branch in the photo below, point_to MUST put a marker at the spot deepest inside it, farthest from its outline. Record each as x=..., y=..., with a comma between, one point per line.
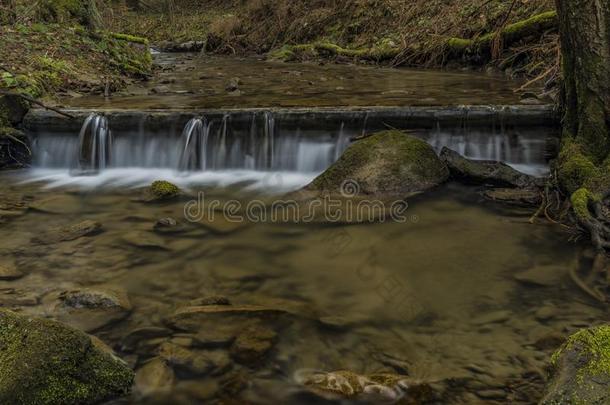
x=510, y=34
x=39, y=103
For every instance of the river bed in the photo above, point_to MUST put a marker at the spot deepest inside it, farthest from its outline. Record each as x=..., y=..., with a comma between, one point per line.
x=462, y=293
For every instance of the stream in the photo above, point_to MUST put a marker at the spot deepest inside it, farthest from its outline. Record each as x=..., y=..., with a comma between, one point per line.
x=464, y=294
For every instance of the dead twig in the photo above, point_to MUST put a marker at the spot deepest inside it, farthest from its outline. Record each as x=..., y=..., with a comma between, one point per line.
x=39, y=103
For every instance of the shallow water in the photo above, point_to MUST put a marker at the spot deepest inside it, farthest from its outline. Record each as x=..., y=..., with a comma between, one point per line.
x=188, y=81
x=434, y=297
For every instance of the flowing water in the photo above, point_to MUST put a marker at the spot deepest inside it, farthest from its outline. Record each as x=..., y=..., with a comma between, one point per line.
x=185, y=82
x=435, y=297
x=462, y=294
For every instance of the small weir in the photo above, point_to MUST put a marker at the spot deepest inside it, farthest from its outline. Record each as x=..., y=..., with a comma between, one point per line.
x=303, y=143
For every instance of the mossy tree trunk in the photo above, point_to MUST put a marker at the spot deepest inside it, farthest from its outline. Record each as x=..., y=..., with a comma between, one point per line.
x=584, y=163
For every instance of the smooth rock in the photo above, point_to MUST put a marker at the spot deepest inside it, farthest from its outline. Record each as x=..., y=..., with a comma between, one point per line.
x=154, y=378
x=546, y=313
x=386, y=165
x=68, y=233
x=193, y=319
x=253, y=344
x=194, y=361
x=144, y=240
x=131, y=340
x=59, y=204
x=542, y=276
x=493, y=317
x=91, y=309
x=9, y=272
x=375, y=388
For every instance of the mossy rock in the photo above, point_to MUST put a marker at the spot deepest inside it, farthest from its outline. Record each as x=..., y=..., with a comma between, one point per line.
x=164, y=190
x=46, y=362
x=386, y=164
x=12, y=110
x=580, y=371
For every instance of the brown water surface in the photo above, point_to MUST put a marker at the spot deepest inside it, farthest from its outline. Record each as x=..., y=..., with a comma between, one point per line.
x=189, y=81
x=435, y=297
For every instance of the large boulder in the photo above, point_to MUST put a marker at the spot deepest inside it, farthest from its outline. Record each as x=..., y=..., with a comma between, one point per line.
x=386, y=164
x=580, y=369
x=46, y=362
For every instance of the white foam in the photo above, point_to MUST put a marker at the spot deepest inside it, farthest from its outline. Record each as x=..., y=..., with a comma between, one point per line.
x=140, y=177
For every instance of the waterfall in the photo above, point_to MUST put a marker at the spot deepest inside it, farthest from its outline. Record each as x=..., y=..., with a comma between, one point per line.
x=95, y=143
x=269, y=139
x=342, y=142
x=221, y=155
x=194, y=145
x=216, y=143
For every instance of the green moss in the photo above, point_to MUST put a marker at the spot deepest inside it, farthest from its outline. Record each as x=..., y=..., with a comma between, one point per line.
x=574, y=168
x=384, y=50
x=162, y=189
x=390, y=157
x=45, y=362
x=458, y=44
x=129, y=38
x=594, y=345
x=580, y=203
x=513, y=32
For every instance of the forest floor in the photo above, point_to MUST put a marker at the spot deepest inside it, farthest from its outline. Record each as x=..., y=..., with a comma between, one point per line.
x=48, y=59
x=422, y=33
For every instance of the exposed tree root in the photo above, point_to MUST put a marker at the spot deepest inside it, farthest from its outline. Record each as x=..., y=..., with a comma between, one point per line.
x=592, y=292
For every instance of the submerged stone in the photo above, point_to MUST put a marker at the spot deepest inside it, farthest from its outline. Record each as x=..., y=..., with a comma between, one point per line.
x=542, y=276
x=46, y=362
x=154, y=377
x=375, y=387
x=580, y=372
x=68, y=233
x=144, y=240
x=386, y=164
x=8, y=272
x=91, y=309
x=253, y=344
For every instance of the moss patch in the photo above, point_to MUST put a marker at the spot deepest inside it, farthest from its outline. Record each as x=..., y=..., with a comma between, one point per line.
x=45, y=362
x=164, y=190
x=595, y=345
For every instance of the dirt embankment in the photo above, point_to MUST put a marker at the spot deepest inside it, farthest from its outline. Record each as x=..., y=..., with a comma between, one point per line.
x=515, y=36
x=50, y=47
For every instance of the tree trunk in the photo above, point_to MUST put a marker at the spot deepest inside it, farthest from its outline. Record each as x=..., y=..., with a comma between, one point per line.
x=585, y=45
x=584, y=162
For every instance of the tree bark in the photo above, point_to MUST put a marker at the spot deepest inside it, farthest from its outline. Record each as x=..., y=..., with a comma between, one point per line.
x=585, y=45
x=584, y=160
